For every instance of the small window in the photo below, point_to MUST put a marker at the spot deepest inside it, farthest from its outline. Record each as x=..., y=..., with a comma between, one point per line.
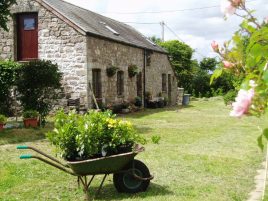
x=164, y=82
x=29, y=24
x=120, y=83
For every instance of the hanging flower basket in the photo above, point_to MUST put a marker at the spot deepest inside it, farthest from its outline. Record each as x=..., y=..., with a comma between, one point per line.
x=111, y=71
x=133, y=70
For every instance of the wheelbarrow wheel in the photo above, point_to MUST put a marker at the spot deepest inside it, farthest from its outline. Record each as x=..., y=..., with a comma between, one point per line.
x=125, y=182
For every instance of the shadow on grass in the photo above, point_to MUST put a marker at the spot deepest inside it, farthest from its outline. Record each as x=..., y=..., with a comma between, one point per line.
x=17, y=135
x=108, y=192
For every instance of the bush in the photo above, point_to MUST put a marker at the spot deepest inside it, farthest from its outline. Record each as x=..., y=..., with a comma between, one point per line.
x=8, y=71
x=95, y=134
x=30, y=114
x=3, y=118
x=38, y=85
x=229, y=97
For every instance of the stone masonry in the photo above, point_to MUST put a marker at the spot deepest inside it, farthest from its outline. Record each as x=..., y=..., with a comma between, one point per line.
x=58, y=42
x=77, y=53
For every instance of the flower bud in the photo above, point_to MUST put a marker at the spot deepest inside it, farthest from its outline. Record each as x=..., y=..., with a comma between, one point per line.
x=215, y=46
x=227, y=64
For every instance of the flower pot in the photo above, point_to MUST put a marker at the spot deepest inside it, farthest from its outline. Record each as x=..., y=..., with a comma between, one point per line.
x=1, y=126
x=30, y=122
x=125, y=111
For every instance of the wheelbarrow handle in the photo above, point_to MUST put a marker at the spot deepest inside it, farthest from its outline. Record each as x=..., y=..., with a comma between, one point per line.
x=26, y=156
x=22, y=147
x=42, y=153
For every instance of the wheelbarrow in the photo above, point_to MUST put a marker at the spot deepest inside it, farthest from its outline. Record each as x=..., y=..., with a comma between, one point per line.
x=129, y=175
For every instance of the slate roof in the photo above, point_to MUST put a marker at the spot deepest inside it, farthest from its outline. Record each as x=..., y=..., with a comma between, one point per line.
x=95, y=24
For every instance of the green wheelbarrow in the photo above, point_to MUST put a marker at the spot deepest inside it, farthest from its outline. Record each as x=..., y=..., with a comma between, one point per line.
x=129, y=175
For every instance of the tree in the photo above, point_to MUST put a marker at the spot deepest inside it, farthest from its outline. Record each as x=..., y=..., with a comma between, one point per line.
x=181, y=59
x=5, y=12
x=38, y=84
x=208, y=64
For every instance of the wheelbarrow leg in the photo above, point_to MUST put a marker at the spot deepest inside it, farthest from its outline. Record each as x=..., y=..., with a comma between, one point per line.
x=98, y=191
x=86, y=185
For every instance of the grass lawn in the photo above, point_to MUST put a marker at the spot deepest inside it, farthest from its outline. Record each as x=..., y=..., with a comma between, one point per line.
x=203, y=154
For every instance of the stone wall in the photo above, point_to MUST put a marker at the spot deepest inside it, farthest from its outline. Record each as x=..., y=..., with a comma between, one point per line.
x=160, y=65
x=58, y=42
x=103, y=53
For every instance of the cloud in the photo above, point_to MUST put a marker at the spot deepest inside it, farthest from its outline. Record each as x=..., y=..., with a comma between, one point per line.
x=195, y=27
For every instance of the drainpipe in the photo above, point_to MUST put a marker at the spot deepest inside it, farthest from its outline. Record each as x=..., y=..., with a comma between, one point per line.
x=144, y=77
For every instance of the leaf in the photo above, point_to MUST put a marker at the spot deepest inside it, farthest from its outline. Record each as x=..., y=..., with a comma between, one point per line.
x=260, y=144
x=265, y=77
x=217, y=73
x=265, y=133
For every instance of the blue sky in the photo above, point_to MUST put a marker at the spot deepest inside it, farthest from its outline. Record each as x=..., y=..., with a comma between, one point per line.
x=197, y=27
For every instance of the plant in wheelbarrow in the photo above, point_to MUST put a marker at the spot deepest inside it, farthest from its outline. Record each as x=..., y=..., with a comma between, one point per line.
x=97, y=143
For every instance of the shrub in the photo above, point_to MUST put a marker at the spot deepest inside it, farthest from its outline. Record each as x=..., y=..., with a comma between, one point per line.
x=8, y=71
x=38, y=85
x=95, y=134
x=229, y=97
x=3, y=118
x=30, y=114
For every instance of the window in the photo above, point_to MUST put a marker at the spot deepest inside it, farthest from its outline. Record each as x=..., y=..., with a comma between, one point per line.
x=164, y=82
x=120, y=83
x=29, y=24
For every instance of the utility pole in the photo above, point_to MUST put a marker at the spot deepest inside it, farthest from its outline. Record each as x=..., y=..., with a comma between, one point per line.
x=163, y=30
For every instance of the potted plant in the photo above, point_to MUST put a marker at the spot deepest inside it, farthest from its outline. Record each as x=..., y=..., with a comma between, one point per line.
x=138, y=101
x=125, y=107
x=3, y=120
x=133, y=70
x=30, y=118
x=92, y=135
x=111, y=71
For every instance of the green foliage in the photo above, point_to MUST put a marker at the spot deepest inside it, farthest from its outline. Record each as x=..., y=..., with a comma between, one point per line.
x=111, y=71
x=30, y=114
x=229, y=97
x=138, y=101
x=133, y=70
x=208, y=64
x=3, y=118
x=156, y=139
x=5, y=12
x=38, y=85
x=181, y=59
x=91, y=135
x=8, y=71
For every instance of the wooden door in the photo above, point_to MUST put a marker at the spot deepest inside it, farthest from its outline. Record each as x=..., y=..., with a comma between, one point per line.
x=27, y=35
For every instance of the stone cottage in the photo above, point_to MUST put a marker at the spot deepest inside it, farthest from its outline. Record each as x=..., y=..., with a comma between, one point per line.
x=84, y=44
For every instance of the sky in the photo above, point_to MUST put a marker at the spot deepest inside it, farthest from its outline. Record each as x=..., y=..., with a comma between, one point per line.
x=195, y=22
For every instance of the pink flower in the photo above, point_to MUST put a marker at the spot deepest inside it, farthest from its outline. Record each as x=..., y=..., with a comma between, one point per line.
x=227, y=64
x=242, y=103
x=228, y=7
x=237, y=2
x=215, y=46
